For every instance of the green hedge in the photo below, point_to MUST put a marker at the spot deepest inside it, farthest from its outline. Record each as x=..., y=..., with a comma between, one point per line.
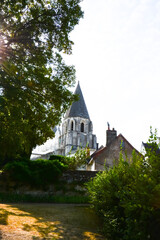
x=58, y=157
x=62, y=159
x=41, y=198
x=36, y=173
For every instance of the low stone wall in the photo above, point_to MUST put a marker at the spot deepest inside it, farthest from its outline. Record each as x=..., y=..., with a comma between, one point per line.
x=68, y=183
x=78, y=176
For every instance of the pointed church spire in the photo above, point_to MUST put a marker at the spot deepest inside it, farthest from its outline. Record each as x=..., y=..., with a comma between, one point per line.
x=78, y=108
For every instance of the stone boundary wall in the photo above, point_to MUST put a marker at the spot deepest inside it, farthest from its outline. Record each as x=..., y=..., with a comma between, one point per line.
x=71, y=176
x=72, y=182
x=78, y=176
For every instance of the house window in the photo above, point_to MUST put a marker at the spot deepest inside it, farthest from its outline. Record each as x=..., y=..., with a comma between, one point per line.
x=82, y=127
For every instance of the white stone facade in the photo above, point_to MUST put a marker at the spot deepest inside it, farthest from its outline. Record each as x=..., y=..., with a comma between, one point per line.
x=77, y=128
x=76, y=133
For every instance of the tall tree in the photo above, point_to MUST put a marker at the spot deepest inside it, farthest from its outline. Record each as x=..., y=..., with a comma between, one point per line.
x=34, y=79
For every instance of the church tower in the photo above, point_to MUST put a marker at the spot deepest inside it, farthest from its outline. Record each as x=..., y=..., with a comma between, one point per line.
x=77, y=128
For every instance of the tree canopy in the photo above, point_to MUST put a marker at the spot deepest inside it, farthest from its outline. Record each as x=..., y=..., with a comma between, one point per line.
x=34, y=80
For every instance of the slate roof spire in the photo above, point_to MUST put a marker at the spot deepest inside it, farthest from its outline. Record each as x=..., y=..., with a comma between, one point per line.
x=78, y=108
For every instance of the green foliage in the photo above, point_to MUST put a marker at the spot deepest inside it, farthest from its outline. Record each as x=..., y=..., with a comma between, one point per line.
x=57, y=157
x=44, y=172
x=67, y=161
x=79, y=159
x=127, y=197
x=35, y=173
x=34, y=79
x=60, y=158
x=40, y=198
x=17, y=171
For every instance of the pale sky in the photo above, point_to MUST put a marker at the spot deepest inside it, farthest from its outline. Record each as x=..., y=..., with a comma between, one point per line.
x=116, y=53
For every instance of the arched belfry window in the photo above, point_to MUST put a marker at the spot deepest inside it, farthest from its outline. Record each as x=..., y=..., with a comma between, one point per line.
x=72, y=126
x=82, y=127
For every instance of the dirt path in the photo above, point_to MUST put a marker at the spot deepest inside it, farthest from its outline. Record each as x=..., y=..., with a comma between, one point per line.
x=48, y=221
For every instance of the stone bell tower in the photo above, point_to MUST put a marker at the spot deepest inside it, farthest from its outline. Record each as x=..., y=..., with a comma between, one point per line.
x=77, y=128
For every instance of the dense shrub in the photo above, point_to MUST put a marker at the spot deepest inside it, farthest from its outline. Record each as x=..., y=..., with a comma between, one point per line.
x=44, y=172
x=78, y=160
x=36, y=173
x=127, y=197
x=18, y=171
x=60, y=158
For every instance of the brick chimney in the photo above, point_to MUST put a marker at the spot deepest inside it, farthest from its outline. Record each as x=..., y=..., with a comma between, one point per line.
x=110, y=136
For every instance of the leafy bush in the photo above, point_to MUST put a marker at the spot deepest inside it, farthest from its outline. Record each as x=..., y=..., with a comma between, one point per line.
x=60, y=158
x=10, y=197
x=45, y=171
x=79, y=159
x=73, y=162
x=37, y=173
x=17, y=171
x=127, y=197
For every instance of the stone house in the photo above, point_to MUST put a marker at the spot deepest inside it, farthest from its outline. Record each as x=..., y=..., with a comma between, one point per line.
x=109, y=155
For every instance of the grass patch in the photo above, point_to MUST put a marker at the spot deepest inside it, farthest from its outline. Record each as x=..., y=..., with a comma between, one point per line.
x=41, y=198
